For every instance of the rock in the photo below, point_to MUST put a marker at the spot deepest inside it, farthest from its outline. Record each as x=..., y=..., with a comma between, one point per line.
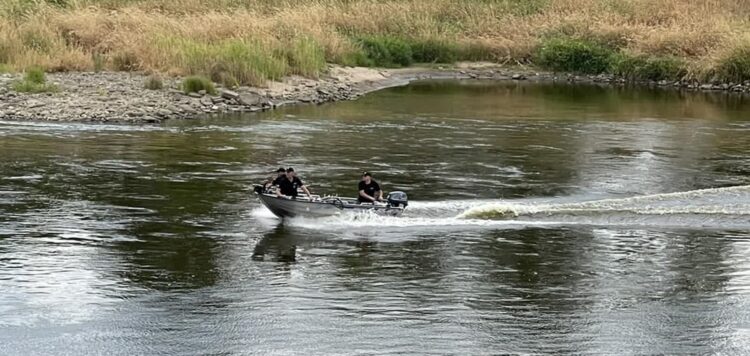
x=164, y=112
x=230, y=95
x=202, y=92
x=206, y=101
x=34, y=104
x=195, y=95
x=249, y=99
x=706, y=87
x=518, y=77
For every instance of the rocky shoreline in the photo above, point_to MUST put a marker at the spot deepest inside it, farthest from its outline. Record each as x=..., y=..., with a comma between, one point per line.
x=120, y=96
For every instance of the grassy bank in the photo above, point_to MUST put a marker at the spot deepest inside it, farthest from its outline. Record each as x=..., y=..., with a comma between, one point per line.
x=250, y=41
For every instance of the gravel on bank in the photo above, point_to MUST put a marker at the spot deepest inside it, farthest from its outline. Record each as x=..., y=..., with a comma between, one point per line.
x=121, y=96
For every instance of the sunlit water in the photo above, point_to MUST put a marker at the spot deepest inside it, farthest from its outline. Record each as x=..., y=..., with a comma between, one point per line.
x=544, y=219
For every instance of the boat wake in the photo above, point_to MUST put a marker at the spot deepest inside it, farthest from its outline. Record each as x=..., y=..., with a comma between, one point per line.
x=706, y=208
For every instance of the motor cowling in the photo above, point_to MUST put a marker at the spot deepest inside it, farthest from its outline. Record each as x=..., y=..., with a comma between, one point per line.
x=397, y=199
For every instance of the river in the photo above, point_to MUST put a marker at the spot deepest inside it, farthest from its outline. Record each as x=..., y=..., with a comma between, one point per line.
x=543, y=218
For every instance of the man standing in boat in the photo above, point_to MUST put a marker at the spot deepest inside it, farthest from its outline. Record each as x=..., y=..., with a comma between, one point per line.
x=369, y=190
x=289, y=183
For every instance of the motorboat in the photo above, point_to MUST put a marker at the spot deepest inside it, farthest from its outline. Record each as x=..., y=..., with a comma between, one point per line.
x=317, y=206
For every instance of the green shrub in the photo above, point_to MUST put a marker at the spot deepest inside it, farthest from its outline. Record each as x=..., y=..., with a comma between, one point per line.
x=195, y=84
x=435, y=51
x=34, y=81
x=4, y=68
x=386, y=51
x=358, y=57
x=573, y=55
x=28, y=87
x=153, y=82
x=647, y=68
x=735, y=66
x=35, y=75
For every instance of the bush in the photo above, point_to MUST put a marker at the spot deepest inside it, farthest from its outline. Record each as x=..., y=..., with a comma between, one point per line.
x=647, y=68
x=386, y=51
x=153, y=82
x=735, y=66
x=357, y=57
x=434, y=51
x=195, y=84
x=574, y=55
x=35, y=75
x=34, y=81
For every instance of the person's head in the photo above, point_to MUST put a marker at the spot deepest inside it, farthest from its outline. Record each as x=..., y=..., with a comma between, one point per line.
x=290, y=172
x=281, y=171
x=367, y=177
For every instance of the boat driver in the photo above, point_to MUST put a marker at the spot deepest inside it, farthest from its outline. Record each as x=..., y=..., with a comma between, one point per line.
x=289, y=183
x=369, y=190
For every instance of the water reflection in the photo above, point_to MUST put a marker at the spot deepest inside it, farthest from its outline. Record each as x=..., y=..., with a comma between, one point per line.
x=164, y=262
x=277, y=245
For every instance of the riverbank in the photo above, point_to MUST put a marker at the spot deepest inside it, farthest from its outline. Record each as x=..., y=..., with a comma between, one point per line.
x=247, y=42
x=121, y=97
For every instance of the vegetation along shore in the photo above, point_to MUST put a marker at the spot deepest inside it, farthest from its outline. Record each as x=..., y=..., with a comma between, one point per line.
x=115, y=59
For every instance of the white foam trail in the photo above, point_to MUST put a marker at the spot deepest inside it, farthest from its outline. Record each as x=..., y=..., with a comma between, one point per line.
x=714, y=201
x=263, y=213
x=367, y=220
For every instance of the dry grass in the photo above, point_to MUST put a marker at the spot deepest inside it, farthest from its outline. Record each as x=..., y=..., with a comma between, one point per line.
x=248, y=41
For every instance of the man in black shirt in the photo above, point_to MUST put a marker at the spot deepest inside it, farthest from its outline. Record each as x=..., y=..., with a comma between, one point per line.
x=369, y=190
x=289, y=183
x=271, y=181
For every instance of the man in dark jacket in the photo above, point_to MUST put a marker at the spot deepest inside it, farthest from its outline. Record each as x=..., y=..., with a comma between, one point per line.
x=369, y=190
x=289, y=183
x=274, y=181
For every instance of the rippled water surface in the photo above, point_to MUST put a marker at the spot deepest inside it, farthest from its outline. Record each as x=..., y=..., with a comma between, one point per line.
x=544, y=219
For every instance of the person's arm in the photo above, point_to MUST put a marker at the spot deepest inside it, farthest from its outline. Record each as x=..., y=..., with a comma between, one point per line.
x=380, y=195
x=364, y=195
x=307, y=191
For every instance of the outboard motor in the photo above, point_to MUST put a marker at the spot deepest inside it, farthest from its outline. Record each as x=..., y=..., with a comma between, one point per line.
x=397, y=199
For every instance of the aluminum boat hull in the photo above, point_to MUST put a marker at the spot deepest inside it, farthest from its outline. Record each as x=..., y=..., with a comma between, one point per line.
x=284, y=207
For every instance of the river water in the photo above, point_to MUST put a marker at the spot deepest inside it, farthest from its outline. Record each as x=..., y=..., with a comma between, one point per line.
x=543, y=219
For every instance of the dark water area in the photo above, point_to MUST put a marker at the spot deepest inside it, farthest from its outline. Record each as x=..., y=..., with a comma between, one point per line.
x=543, y=219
